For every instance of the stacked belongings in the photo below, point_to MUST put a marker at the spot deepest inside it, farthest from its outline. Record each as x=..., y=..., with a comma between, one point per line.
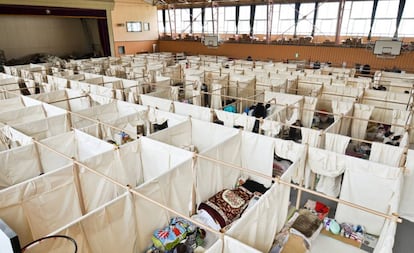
x=179, y=236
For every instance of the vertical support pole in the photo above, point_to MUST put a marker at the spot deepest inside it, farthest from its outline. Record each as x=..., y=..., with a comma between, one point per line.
x=269, y=21
x=339, y=21
x=78, y=187
x=193, y=193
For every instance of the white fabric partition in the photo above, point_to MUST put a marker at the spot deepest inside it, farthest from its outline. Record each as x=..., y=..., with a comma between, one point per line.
x=13, y=138
x=346, y=109
x=75, y=144
x=231, y=245
x=158, y=157
x=206, y=135
x=37, y=207
x=382, y=194
x=149, y=217
x=226, y=117
x=174, y=188
x=336, y=143
x=203, y=135
x=359, y=126
x=259, y=225
x=215, y=96
x=311, y=137
x=219, y=176
x=386, y=154
x=23, y=115
x=178, y=136
x=400, y=118
x=56, y=83
x=102, y=230
x=106, y=112
x=329, y=165
x=389, y=101
x=257, y=153
x=196, y=112
x=159, y=103
x=18, y=165
x=271, y=128
x=11, y=104
x=407, y=198
x=307, y=115
x=158, y=116
x=231, y=119
x=294, y=152
x=45, y=128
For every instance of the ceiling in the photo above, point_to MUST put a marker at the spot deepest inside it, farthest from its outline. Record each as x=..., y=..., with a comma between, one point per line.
x=164, y=4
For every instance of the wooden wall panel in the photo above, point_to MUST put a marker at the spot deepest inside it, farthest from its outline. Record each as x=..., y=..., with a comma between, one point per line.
x=335, y=55
x=134, y=47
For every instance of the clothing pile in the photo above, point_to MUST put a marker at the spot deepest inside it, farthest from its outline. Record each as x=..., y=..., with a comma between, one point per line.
x=180, y=236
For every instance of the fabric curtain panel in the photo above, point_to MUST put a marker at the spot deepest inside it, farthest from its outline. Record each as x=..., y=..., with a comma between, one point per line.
x=359, y=126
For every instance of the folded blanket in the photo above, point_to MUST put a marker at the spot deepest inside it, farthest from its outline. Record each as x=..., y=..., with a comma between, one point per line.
x=227, y=205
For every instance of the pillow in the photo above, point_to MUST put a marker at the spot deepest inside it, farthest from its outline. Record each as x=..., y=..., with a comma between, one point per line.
x=306, y=223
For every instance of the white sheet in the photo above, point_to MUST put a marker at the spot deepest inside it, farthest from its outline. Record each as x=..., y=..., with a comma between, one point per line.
x=219, y=176
x=307, y=115
x=271, y=128
x=216, y=96
x=407, y=198
x=372, y=185
x=401, y=118
x=53, y=196
x=18, y=165
x=386, y=154
x=329, y=166
x=100, y=231
x=336, y=143
x=345, y=108
x=196, y=112
x=257, y=154
x=359, y=126
x=258, y=226
x=311, y=137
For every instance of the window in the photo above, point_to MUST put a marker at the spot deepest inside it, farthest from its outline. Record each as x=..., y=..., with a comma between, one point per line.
x=275, y=19
x=244, y=19
x=160, y=22
x=286, y=19
x=229, y=19
x=385, y=18
x=357, y=18
x=185, y=21
x=210, y=20
x=260, y=20
x=326, y=19
x=407, y=20
x=176, y=16
x=305, y=21
x=197, y=26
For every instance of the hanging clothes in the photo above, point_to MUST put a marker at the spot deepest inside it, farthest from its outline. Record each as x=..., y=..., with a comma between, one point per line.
x=386, y=154
x=399, y=117
x=329, y=166
x=307, y=115
x=216, y=96
x=359, y=126
x=345, y=108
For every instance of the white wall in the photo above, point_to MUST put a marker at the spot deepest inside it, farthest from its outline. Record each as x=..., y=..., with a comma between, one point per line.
x=23, y=35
